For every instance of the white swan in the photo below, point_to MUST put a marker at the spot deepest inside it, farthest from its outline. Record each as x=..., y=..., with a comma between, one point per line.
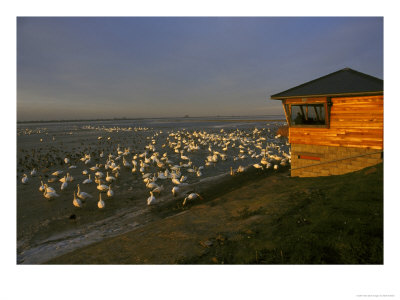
x=158, y=189
x=102, y=187
x=99, y=174
x=175, y=181
x=192, y=196
x=110, y=178
x=175, y=190
x=110, y=192
x=83, y=195
x=85, y=172
x=41, y=187
x=64, y=185
x=101, y=203
x=151, y=185
x=87, y=180
x=33, y=172
x=50, y=195
x=76, y=202
x=49, y=189
x=25, y=179
x=57, y=173
x=151, y=200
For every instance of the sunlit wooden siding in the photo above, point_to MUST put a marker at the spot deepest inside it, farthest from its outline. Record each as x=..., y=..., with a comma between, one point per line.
x=354, y=122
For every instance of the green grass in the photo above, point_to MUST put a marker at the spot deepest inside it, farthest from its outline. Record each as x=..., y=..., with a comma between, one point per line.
x=331, y=220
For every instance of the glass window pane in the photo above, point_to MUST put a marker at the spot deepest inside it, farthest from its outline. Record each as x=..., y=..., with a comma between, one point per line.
x=308, y=114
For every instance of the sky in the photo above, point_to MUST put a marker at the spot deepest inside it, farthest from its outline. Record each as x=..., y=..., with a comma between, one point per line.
x=133, y=67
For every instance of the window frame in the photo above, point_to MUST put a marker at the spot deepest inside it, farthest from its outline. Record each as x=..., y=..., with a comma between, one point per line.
x=326, y=101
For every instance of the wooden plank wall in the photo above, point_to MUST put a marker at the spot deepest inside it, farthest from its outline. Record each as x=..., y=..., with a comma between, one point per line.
x=354, y=122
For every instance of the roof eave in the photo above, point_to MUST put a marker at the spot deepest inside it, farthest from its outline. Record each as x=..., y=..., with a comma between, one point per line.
x=277, y=97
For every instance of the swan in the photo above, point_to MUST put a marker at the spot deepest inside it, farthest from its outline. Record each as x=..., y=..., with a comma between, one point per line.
x=110, y=178
x=64, y=179
x=240, y=169
x=257, y=166
x=64, y=184
x=158, y=189
x=110, y=192
x=175, y=190
x=275, y=167
x=183, y=178
x=76, y=202
x=66, y=160
x=50, y=195
x=175, y=181
x=102, y=187
x=25, y=179
x=151, y=185
x=83, y=195
x=85, y=172
x=99, y=174
x=192, y=196
x=151, y=200
x=232, y=172
x=49, y=189
x=33, y=172
x=87, y=180
x=57, y=173
x=101, y=203
x=42, y=187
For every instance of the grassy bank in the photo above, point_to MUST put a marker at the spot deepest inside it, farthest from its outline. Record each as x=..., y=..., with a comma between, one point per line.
x=269, y=219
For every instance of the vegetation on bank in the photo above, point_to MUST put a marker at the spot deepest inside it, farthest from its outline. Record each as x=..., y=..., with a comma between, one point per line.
x=331, y=220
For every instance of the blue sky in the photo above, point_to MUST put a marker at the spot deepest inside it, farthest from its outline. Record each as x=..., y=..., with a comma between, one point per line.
x=73, y=68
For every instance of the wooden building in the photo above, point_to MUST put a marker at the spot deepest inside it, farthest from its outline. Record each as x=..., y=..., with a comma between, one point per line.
x=335, y=123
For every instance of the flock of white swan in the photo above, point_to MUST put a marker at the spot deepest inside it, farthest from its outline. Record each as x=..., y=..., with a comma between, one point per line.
x=167, y=167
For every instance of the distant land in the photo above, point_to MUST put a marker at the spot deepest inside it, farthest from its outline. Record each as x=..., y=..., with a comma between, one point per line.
x=158, y=118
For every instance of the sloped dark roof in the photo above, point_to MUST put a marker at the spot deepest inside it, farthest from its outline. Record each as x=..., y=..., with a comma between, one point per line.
x=340, y=83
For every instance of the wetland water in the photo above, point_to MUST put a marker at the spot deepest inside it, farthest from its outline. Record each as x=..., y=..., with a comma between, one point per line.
x=211, y=146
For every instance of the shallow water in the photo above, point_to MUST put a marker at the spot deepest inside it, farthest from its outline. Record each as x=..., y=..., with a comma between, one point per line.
x=48, y=228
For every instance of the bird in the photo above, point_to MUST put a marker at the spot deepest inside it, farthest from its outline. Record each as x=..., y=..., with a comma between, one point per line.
x=110, y=192
x=158, y=189
x=190, y=197
x=57, y=173
x=101, y=203
x=33, y=172
x=66, y=160
x=49, y=189
x=87, y=180
x=102, y=187
x=151, y=185
x=175, y=181
x=99, y=174
x=41, y=187
x=151, y=200
x=275, y=167
x=84, y=172
x=257, y=166
x=50, y=195
x=110, y=178
x=175, y=190
x=83, y=195
x=25, y=179
x=64, y=185
x=76, y=202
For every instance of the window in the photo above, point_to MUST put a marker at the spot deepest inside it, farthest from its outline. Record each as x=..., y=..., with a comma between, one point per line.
x=308, y=114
